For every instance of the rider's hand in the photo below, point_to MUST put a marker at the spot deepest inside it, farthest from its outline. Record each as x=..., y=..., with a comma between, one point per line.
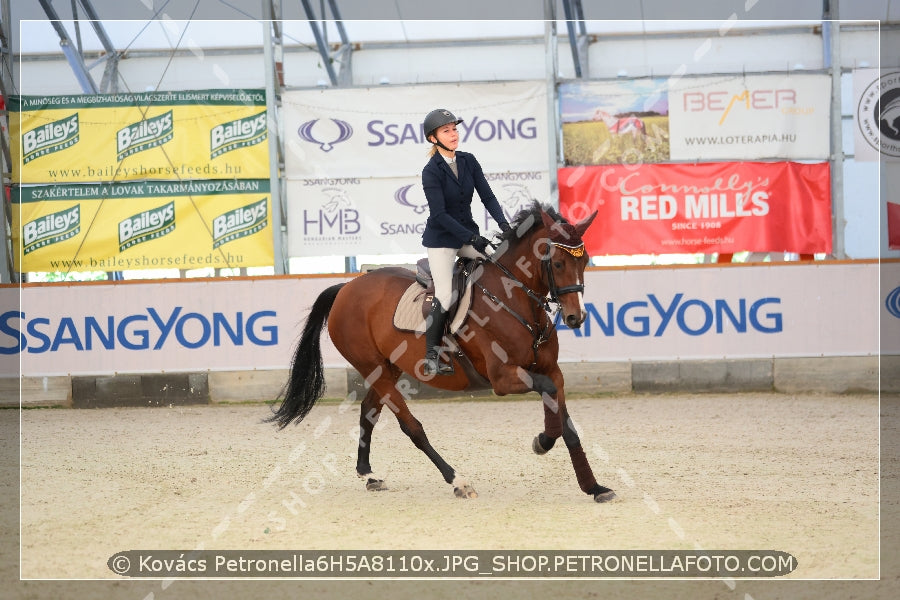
x=479, y=242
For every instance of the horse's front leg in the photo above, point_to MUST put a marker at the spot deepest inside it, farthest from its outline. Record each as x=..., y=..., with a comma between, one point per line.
x=557, y=423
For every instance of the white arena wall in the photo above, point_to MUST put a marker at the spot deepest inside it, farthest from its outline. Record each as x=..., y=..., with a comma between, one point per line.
x=785, y=327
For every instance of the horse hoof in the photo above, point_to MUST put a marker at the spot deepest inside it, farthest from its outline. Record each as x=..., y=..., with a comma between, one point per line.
x=604, y=496
x=465, y=492
x=375, y=485
x=536, y=446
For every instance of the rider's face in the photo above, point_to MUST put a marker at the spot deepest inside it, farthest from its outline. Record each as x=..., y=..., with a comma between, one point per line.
x=448, y=136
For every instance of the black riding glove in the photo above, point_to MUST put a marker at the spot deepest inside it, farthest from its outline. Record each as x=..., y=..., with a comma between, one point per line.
x=479, y=242
x=504, y=226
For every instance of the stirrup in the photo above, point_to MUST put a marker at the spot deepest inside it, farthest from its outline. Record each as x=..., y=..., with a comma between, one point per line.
x=435, y=366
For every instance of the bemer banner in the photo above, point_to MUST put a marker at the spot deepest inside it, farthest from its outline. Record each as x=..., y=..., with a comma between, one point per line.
x=701, y=208
x=143, y=225
x=180, y=135
x=744, y=117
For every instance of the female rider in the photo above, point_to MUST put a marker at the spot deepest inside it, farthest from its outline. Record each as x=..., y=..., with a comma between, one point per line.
x=449, y=179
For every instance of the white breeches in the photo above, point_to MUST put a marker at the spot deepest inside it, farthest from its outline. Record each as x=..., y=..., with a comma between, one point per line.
x=442, y=261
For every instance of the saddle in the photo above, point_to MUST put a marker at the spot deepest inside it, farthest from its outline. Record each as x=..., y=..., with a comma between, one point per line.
x=415, y=304
x=415, y=307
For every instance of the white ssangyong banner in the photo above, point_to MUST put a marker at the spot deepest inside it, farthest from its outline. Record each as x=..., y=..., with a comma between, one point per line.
x=748, y=117
x=693, y=313
x=633, y=315
x=377, y=131
x=350, y=216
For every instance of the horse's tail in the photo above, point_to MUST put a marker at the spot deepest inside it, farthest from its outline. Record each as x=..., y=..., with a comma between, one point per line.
x=306, y=381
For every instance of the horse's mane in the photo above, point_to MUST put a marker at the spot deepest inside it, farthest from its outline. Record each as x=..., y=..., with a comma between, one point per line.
x=528, y=219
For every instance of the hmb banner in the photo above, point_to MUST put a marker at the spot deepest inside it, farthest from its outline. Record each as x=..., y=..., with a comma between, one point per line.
x=143, y=225
x=386, y=215
x=196, y=134
x=701, y=208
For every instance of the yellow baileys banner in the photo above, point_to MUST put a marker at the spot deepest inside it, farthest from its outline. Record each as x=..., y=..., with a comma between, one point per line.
x=143, y=225
x=181, y=135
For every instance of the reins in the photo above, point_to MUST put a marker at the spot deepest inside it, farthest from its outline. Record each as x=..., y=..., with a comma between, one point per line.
x=538, y=335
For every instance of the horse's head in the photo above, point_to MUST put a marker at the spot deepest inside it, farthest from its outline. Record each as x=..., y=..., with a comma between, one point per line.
x=563, y=260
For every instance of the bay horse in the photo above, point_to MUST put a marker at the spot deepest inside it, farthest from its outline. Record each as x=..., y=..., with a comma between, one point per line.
x=509, y=337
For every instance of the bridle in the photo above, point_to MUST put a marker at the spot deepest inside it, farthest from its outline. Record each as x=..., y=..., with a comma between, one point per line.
x=539, y=334
x=556, y=292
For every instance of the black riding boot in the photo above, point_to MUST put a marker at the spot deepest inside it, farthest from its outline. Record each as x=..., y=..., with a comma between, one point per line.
x=434, y=334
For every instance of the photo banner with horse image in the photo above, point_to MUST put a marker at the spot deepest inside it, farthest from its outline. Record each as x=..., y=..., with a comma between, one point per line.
x=656, y=120
x=701, y=208
x=179, y=135
x=143, y=225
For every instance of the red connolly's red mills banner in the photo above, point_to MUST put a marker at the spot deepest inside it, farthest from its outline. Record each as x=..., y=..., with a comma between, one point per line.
x=701, y=208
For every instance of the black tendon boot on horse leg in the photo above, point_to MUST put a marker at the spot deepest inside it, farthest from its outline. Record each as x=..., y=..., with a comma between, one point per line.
x=434, y=335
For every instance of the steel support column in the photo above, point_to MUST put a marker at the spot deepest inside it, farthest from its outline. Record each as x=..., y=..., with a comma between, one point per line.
x=578, y=41
x=552, y=72
x=276, y=163
x=343, y=54
x=831, y=31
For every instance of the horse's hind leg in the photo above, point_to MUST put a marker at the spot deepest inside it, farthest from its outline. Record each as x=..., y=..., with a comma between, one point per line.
x=368, y=417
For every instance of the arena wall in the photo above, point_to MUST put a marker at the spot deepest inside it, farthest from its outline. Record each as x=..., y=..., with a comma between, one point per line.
x=828, y=327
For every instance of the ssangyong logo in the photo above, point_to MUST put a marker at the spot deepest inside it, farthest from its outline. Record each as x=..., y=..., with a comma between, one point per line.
x=402, y=197
x=892, y=302
x=240, y=133
x=143, y=135
x=50, y=138
x=342, y=134
x=148, y=225
x=50, y=229
x=240, y=222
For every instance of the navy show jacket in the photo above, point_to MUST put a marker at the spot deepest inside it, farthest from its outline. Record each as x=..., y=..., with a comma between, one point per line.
x=450, y=223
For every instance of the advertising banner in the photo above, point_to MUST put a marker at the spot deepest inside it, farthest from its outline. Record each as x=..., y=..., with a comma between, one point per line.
x=679, y=313
x=173, y=326
x=877, y=115
x=142, y=225
x=354, y=215
x=701, y=208
x=696, y=313
x=197, y=134
x=891, y=173
x=615, y=122
x=890, y=308
x=377, y=132
x=744, y=117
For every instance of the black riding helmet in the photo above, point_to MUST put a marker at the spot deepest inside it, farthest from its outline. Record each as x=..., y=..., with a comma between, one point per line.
x=438, y=118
